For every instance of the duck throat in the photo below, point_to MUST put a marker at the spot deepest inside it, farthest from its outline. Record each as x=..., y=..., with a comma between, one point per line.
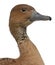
x=18, y=32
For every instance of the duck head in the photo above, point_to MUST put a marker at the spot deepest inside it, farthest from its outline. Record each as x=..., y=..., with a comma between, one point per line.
x=23, y=15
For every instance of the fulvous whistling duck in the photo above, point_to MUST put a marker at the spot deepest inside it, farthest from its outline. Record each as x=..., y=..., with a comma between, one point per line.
x=20, y=17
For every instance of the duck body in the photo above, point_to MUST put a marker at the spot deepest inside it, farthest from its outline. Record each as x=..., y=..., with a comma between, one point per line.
x=20, y=17
x=29, y=56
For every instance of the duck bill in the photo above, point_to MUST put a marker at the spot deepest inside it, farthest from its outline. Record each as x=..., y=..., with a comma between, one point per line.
x=37, y=16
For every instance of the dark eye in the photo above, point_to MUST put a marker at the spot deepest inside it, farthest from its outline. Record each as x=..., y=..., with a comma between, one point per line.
x=23, y=10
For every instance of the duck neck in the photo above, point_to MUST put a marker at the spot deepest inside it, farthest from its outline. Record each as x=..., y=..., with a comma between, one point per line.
x=21, y=34
x=18, y=32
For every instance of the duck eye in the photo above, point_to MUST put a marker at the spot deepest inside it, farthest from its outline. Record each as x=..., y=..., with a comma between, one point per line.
x=23, y=10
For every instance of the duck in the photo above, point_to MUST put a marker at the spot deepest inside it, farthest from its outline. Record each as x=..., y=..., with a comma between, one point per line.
x=21, y=16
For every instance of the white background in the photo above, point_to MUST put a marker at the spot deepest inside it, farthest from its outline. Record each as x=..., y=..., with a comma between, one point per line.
x=42, y=33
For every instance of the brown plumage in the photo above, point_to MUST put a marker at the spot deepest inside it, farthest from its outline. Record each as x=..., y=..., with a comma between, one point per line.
x=20, y=17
